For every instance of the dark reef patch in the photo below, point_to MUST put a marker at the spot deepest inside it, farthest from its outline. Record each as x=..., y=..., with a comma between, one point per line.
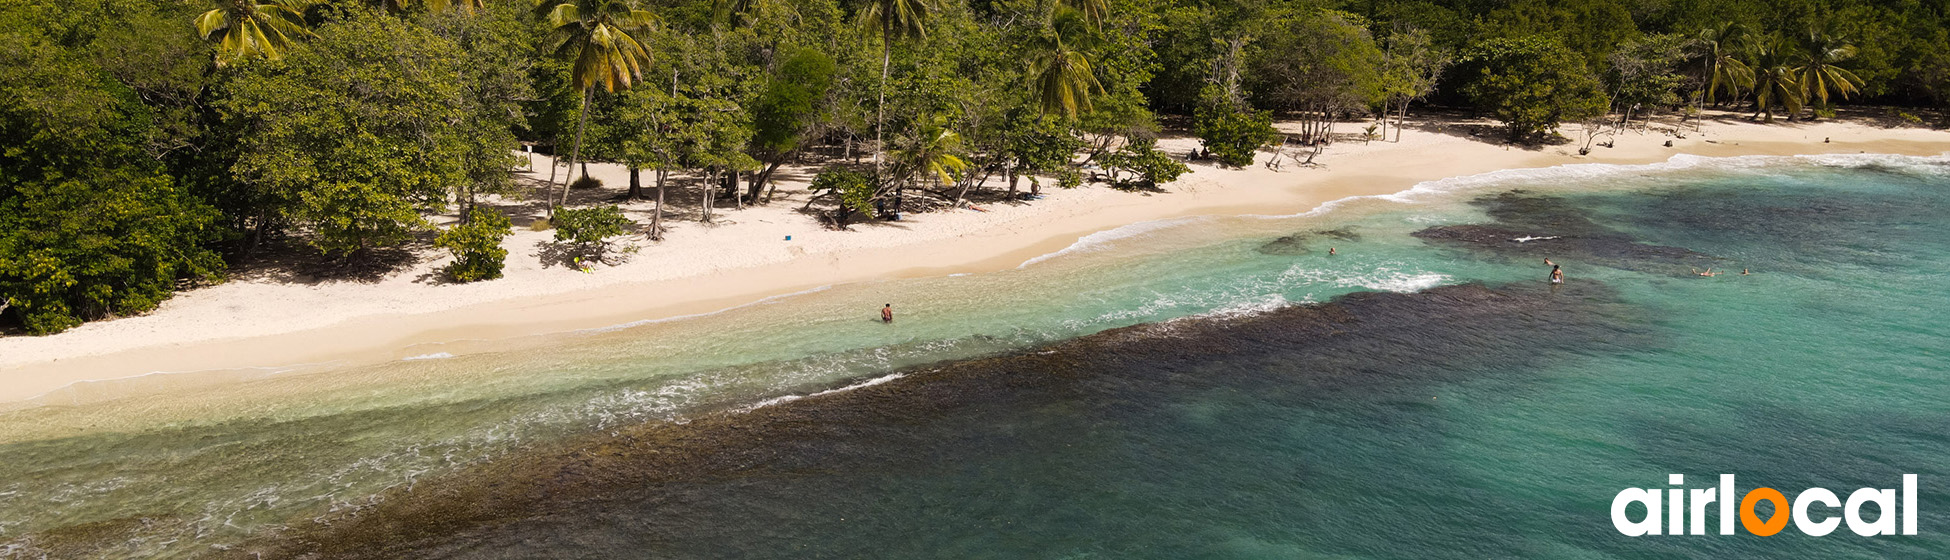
x=1298, y=243
x=1534, y=227
x=744, y=483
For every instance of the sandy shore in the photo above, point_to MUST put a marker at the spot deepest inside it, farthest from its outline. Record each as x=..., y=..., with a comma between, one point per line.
x=745, y=256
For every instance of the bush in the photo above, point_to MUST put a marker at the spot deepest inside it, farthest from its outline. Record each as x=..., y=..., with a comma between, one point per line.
x=585, y=229
x=476, y=246
x=1148, y=166
x=586, y=182
x=1233, y=135
x=854, y=191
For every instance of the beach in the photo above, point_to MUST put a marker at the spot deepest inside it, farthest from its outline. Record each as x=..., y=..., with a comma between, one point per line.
x=267, y=324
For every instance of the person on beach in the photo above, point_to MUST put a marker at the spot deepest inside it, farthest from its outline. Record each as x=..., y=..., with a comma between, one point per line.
x=887, y=313
x=1557, y=274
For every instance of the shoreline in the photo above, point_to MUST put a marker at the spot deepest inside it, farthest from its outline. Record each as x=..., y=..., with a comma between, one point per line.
x=261, y=324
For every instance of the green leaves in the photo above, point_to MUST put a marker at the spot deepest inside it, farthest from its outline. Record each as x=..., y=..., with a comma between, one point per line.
x=476, y=246
x=1232, y=133
x=586, y=230
x=1532, y=84
x=357, y=133
x=247, y=28
x=598, y=36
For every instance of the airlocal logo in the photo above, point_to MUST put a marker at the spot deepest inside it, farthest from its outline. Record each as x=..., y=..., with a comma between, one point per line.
x=1813, y=523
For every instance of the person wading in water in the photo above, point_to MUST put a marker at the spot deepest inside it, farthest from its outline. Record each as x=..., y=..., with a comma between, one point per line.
x=1557, y=274
x=887, y=313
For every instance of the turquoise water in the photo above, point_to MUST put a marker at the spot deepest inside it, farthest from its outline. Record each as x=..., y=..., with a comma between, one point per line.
x=1462, y=409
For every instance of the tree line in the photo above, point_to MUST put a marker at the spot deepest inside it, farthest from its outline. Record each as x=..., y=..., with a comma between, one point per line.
x=149, y=145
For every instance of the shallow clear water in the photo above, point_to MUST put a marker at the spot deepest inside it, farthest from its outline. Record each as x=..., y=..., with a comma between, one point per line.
x=1420, y=425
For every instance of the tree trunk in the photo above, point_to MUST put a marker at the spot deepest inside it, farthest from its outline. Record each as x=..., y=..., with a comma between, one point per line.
x=636, y=183
x=880, y=109
x=582, y=119
x=549, y=191
x=657, y=219
x=760, y=179
x=710, y=192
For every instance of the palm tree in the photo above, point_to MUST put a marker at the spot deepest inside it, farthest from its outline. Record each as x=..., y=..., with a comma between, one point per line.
x=1724, y=70
x=1061, y=75
x=1093, y=10
x=246, y=28
x=931, y=152
x=596, y=35
x=1774, y=83
x=893, y=20
x=1818, y=73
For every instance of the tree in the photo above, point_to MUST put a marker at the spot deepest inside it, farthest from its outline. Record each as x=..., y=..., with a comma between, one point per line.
x=476, y=245
x=1230, y=132
x=851, y=190
x=1060, y=75
x=1410, y=68
x=788, y=110
x=931, y=152
x=358, y=132
x=1148, y=166
x=90, y=225
x=1316, y=63
x=1775, y=84
x=1532, y=84
x=1818, y=74
x=1722, y=70
x=891, y=21
x=247, y=28
x=586, y=231
x=597, y=35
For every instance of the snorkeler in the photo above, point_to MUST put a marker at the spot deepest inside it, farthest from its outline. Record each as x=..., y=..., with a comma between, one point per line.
x=1557, y=274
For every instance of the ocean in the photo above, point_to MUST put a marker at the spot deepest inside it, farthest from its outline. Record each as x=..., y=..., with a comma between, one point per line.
x=1213, y=387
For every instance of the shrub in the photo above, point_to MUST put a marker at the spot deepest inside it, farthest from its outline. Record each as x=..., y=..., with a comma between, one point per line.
x=586, y=182
x=1233, y=135
x=1147, y=165
x=585, y=229
x=854, y=191
x=476, y=246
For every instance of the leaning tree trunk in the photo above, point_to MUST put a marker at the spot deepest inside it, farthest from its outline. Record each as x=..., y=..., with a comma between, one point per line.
x=657, y=218
x=582, y=120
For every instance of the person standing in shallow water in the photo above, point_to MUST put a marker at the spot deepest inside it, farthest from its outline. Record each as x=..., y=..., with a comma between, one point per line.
x=887, y=313
x=1557, y=274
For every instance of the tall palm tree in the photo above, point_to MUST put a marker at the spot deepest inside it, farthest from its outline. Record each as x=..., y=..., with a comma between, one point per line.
x=1818, y=73
x=1093, y=10
x=1061, y=75
x=1774, y=82
x=893, y=20
x=246, y=28
x=596, y=34
x=1724, y=70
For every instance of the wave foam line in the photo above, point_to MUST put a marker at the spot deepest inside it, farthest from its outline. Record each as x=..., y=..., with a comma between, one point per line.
x=1099, y=240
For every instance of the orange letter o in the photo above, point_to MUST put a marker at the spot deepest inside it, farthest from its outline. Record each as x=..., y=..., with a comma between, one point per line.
x=1752, y=522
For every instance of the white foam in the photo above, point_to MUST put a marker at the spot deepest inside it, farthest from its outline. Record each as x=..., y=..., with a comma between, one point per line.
x=855, y=386
x=433, y=356
x=1099, y=240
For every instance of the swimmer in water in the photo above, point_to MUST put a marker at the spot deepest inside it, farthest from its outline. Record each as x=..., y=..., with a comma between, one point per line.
x=1743, y=272
x=1557, y=274
x=1709, y=272
x=887, y=313
x=1547, y=262
x=1330, y=251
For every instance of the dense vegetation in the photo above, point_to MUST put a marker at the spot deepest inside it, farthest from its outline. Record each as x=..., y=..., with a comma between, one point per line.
x=144, y=144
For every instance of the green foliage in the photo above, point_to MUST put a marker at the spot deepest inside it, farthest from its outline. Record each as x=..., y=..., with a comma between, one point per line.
x=1233, y=135
x=1532, y=84
x=358, y=131
x=586, y=182
x=790, y=104
x=1148, y=166
x=89, y=224
x=476, y=245
x=854, y=190
x=586, y=230
x=1315, y=61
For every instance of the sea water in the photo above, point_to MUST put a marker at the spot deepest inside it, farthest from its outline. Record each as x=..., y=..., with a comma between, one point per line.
x=1214, y=387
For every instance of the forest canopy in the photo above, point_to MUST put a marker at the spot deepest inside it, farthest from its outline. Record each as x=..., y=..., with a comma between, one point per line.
x=148, y=145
